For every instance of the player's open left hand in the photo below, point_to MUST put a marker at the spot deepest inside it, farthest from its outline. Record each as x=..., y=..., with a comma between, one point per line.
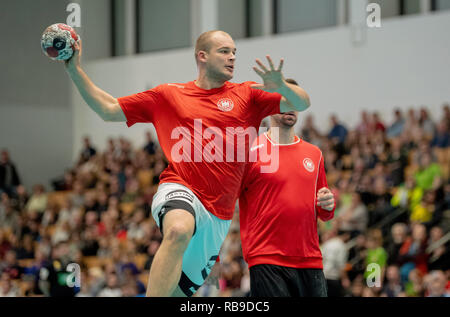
x=325, y=199
x=272, y=78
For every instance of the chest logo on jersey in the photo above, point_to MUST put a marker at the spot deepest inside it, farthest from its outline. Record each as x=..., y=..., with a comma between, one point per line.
x=225, y=104
x=309, y=165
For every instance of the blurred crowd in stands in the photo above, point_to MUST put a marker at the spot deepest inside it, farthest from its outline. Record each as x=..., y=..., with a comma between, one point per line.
x=389, y=237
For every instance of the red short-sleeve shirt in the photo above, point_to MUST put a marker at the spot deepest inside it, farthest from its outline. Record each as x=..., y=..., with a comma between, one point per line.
x=196, y=130
x=277, y=207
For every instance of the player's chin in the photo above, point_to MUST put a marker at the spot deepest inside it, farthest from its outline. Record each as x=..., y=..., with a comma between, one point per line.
x=228, y=75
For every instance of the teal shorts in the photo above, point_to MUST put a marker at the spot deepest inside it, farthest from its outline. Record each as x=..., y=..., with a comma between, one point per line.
x=203, y=249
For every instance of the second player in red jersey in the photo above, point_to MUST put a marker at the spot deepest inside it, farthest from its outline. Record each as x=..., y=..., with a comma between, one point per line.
x=278, y=213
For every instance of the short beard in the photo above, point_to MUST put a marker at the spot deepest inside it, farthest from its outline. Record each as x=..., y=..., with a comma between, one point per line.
x=218, y=76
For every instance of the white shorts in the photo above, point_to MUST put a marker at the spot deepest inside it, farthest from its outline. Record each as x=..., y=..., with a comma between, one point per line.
x=203, y=249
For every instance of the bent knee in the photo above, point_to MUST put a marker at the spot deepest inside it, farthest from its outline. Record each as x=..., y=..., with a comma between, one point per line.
x=179, y=233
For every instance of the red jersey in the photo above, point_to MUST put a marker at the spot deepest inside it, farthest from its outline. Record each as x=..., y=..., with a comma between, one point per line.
x=198, y=133
x=277, y=211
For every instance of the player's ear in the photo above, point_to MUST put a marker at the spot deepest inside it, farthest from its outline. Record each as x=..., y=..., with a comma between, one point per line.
x=202, y=56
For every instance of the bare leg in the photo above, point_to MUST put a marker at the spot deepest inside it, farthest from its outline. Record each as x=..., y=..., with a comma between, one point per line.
x=178, y=292
x=165, y=272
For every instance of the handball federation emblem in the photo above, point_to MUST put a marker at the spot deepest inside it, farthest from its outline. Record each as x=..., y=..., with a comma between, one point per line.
x=308, y=164
x=225, y=104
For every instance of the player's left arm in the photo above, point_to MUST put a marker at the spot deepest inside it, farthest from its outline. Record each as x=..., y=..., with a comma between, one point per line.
x=294, y=98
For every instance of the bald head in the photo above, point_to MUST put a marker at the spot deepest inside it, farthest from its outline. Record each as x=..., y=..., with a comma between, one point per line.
x=206, y=40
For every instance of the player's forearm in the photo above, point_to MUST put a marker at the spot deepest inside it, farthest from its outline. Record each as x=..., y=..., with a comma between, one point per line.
x=295, y=96
x=98, y=100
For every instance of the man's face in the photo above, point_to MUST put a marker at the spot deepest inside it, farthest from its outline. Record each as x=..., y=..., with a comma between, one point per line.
x=333, y=120
x=221, y=57
x=4, y=157
x=398, y=234
x=285, y=119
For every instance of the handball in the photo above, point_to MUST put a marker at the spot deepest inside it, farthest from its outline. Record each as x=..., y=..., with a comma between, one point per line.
x=58, y=41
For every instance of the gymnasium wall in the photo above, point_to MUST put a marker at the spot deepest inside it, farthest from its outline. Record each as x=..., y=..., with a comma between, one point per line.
x=35, y=105
x=401, y=64
x=42, y=117
x=36, y=119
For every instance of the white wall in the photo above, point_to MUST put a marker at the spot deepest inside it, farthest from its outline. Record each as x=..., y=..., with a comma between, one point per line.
x=35, y=104
x=297, y=15
x=236, y=25
x=35, y=92
x=167, y=22
x=27, y=76
x=39, y=140
x=95, y=30
x=404, y=63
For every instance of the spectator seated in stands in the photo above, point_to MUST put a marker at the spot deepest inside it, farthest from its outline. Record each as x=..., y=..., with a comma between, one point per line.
x=354, y=218
x=335, y=257
x=376, y=254
x=413, y=252
x=425, y=122
x=9, y=177
x=338, y=131
x=87, y=152
x=7, y=287
x=393, y=287
x=101, y=215
x=407, y=195
x=439, y=257
x=441, y=138
x=429, y=174
x=150, y=145
x=396, y=128
x=414, y=287
x=436, y=283
x=399, y=234
x=38, y=200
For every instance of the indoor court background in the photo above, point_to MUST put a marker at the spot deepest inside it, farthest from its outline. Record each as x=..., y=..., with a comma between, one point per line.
x=65, y=210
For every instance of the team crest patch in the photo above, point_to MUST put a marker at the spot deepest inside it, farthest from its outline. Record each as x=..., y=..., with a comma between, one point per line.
x=180, y=194
x=309, y=165
x=225, y=104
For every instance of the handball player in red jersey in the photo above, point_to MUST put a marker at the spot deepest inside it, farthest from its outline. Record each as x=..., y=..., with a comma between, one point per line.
x=278, y=213
x=197, y=123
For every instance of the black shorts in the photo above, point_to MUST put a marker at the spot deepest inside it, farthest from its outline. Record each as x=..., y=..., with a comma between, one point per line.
x=280, y=281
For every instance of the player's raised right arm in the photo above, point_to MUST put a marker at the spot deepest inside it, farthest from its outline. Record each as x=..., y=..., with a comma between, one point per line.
x=105, y=105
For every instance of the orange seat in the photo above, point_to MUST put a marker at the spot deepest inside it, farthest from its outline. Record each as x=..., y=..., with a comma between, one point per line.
x=93, y=261
x=26, y=262
x=140, y=260
x=127, y=208
x=143, y=277
x=57, y=198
